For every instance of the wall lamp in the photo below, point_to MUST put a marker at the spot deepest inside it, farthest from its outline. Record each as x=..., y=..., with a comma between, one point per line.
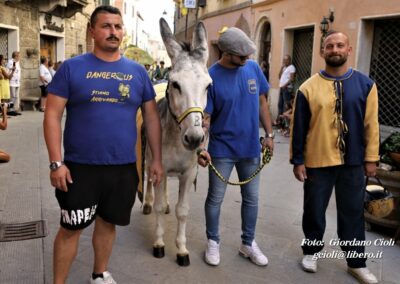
x=324, y=26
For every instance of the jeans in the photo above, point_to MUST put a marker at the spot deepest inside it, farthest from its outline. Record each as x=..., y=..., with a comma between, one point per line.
x=284, y=99
x=249, y=192
x=349, y=190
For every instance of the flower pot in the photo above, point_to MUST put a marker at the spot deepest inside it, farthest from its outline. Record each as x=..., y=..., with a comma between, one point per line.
x=395, y=158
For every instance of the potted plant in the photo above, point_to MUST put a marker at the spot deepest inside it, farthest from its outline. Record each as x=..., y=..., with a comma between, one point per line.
x=391, y=148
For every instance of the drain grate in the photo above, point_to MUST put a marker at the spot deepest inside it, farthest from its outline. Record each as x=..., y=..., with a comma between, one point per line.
x=23, y=231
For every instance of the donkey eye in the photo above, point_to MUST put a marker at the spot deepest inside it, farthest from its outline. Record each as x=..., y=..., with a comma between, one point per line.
x=176, y=85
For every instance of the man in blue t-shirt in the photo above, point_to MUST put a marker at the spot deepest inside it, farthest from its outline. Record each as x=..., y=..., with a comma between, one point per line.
x=236, y=103
x=97, y=178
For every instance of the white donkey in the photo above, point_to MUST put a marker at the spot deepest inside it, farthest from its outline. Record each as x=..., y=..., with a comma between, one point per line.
x=181, y=113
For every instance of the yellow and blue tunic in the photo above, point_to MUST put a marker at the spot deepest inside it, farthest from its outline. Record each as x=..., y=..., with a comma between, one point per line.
x=335, y=121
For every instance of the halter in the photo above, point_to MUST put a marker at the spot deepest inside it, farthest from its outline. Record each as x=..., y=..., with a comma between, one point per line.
x=188, y=111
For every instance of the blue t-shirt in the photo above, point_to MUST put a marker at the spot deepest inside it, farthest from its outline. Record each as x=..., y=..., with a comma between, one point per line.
x=103, y=98
x=233, y=103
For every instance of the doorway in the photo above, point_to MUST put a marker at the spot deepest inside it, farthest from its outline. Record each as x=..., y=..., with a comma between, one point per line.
x=48, y=48
x=265, y=49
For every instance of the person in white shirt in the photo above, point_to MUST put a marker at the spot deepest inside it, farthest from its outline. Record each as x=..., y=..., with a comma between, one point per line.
x=51, y=68
x=44, y=79
x=286, y=79
x=13, y=64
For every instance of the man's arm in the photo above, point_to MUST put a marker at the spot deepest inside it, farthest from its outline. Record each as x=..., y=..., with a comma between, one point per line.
x=298, y=132
x=152, y=123
x=266, y=121
x=55, y=106
x=203, y=157
x=371, y=129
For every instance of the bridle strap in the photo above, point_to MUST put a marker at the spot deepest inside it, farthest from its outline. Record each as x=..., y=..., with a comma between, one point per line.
x=187, y=112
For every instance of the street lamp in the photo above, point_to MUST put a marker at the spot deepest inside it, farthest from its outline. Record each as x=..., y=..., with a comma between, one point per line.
x=324, y=25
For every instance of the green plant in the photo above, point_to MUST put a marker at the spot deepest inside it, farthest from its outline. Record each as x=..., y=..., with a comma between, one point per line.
x=392, y=144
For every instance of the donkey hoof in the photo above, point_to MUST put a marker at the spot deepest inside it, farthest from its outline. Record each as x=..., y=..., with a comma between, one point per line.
x=146, y=209
x=158, y=252
x=167, y=210
x=183, y=260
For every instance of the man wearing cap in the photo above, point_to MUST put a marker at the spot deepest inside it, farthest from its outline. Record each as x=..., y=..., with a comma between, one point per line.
x=236, y=103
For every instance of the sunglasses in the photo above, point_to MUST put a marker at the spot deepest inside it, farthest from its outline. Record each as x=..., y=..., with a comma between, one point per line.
x=242, y=58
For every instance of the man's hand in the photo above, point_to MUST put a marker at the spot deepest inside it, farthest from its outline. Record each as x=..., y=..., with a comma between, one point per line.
x=156, y=173
x=60, y=177
x=268, y=142
x=370, y=169
x=203, y=158
x=300, y=172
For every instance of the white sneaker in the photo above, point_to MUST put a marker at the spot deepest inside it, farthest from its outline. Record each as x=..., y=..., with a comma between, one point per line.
x=212, y=253
x=309, y=263
x=254, y=253
x=107, y=279
x=363, y=275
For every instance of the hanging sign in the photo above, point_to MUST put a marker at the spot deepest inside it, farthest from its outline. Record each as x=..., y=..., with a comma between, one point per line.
x=191, y=4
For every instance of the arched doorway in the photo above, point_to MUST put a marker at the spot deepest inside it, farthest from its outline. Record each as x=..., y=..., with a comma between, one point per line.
x=264, y=55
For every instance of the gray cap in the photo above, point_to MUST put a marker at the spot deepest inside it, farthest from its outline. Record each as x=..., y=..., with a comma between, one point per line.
x=235, y=41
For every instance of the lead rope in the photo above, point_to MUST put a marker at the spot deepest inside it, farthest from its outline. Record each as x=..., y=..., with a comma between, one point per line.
x=266, y=158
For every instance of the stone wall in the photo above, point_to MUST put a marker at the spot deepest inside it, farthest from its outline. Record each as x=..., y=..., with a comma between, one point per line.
x=26, y=18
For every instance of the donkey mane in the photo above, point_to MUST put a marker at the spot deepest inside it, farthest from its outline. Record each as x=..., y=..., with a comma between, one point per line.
x=163, y=107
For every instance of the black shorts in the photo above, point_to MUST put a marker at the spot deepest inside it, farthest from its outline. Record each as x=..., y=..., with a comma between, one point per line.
x=107, y=191
x=43, y=91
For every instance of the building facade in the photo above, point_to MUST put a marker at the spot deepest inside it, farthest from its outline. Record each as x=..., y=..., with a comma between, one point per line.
x=55, y=29
x=281, y=27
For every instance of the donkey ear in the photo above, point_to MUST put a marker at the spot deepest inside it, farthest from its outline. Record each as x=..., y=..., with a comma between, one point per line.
x=172, y=46
x=199, y=42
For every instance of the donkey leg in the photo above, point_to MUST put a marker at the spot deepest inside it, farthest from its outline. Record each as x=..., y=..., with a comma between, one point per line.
x=158, y=246
x=148, y=199
x=166, y=198
x=182, y=211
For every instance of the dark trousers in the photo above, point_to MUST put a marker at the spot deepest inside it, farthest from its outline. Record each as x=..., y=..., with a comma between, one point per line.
x=284, y=100
x=349, y=183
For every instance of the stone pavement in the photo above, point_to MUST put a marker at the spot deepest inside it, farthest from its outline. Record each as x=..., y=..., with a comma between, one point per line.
x=26, y=195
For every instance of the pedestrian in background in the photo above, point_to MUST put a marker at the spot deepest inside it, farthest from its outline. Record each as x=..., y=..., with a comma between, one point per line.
x=97, y=179
x=15, y=81
x=286, y=80
x=45, y=78
x=52, y=67
x=334, y=143
x=236, y=103
x=5, y=76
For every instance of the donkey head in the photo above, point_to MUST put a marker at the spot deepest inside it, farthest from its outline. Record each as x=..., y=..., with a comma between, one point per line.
x=188, y=82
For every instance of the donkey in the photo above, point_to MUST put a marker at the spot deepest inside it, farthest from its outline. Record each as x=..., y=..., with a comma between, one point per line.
x=181, y=114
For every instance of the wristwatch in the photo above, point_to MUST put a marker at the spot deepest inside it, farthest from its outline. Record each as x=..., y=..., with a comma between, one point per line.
x=54, y=165
x=270, y=135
